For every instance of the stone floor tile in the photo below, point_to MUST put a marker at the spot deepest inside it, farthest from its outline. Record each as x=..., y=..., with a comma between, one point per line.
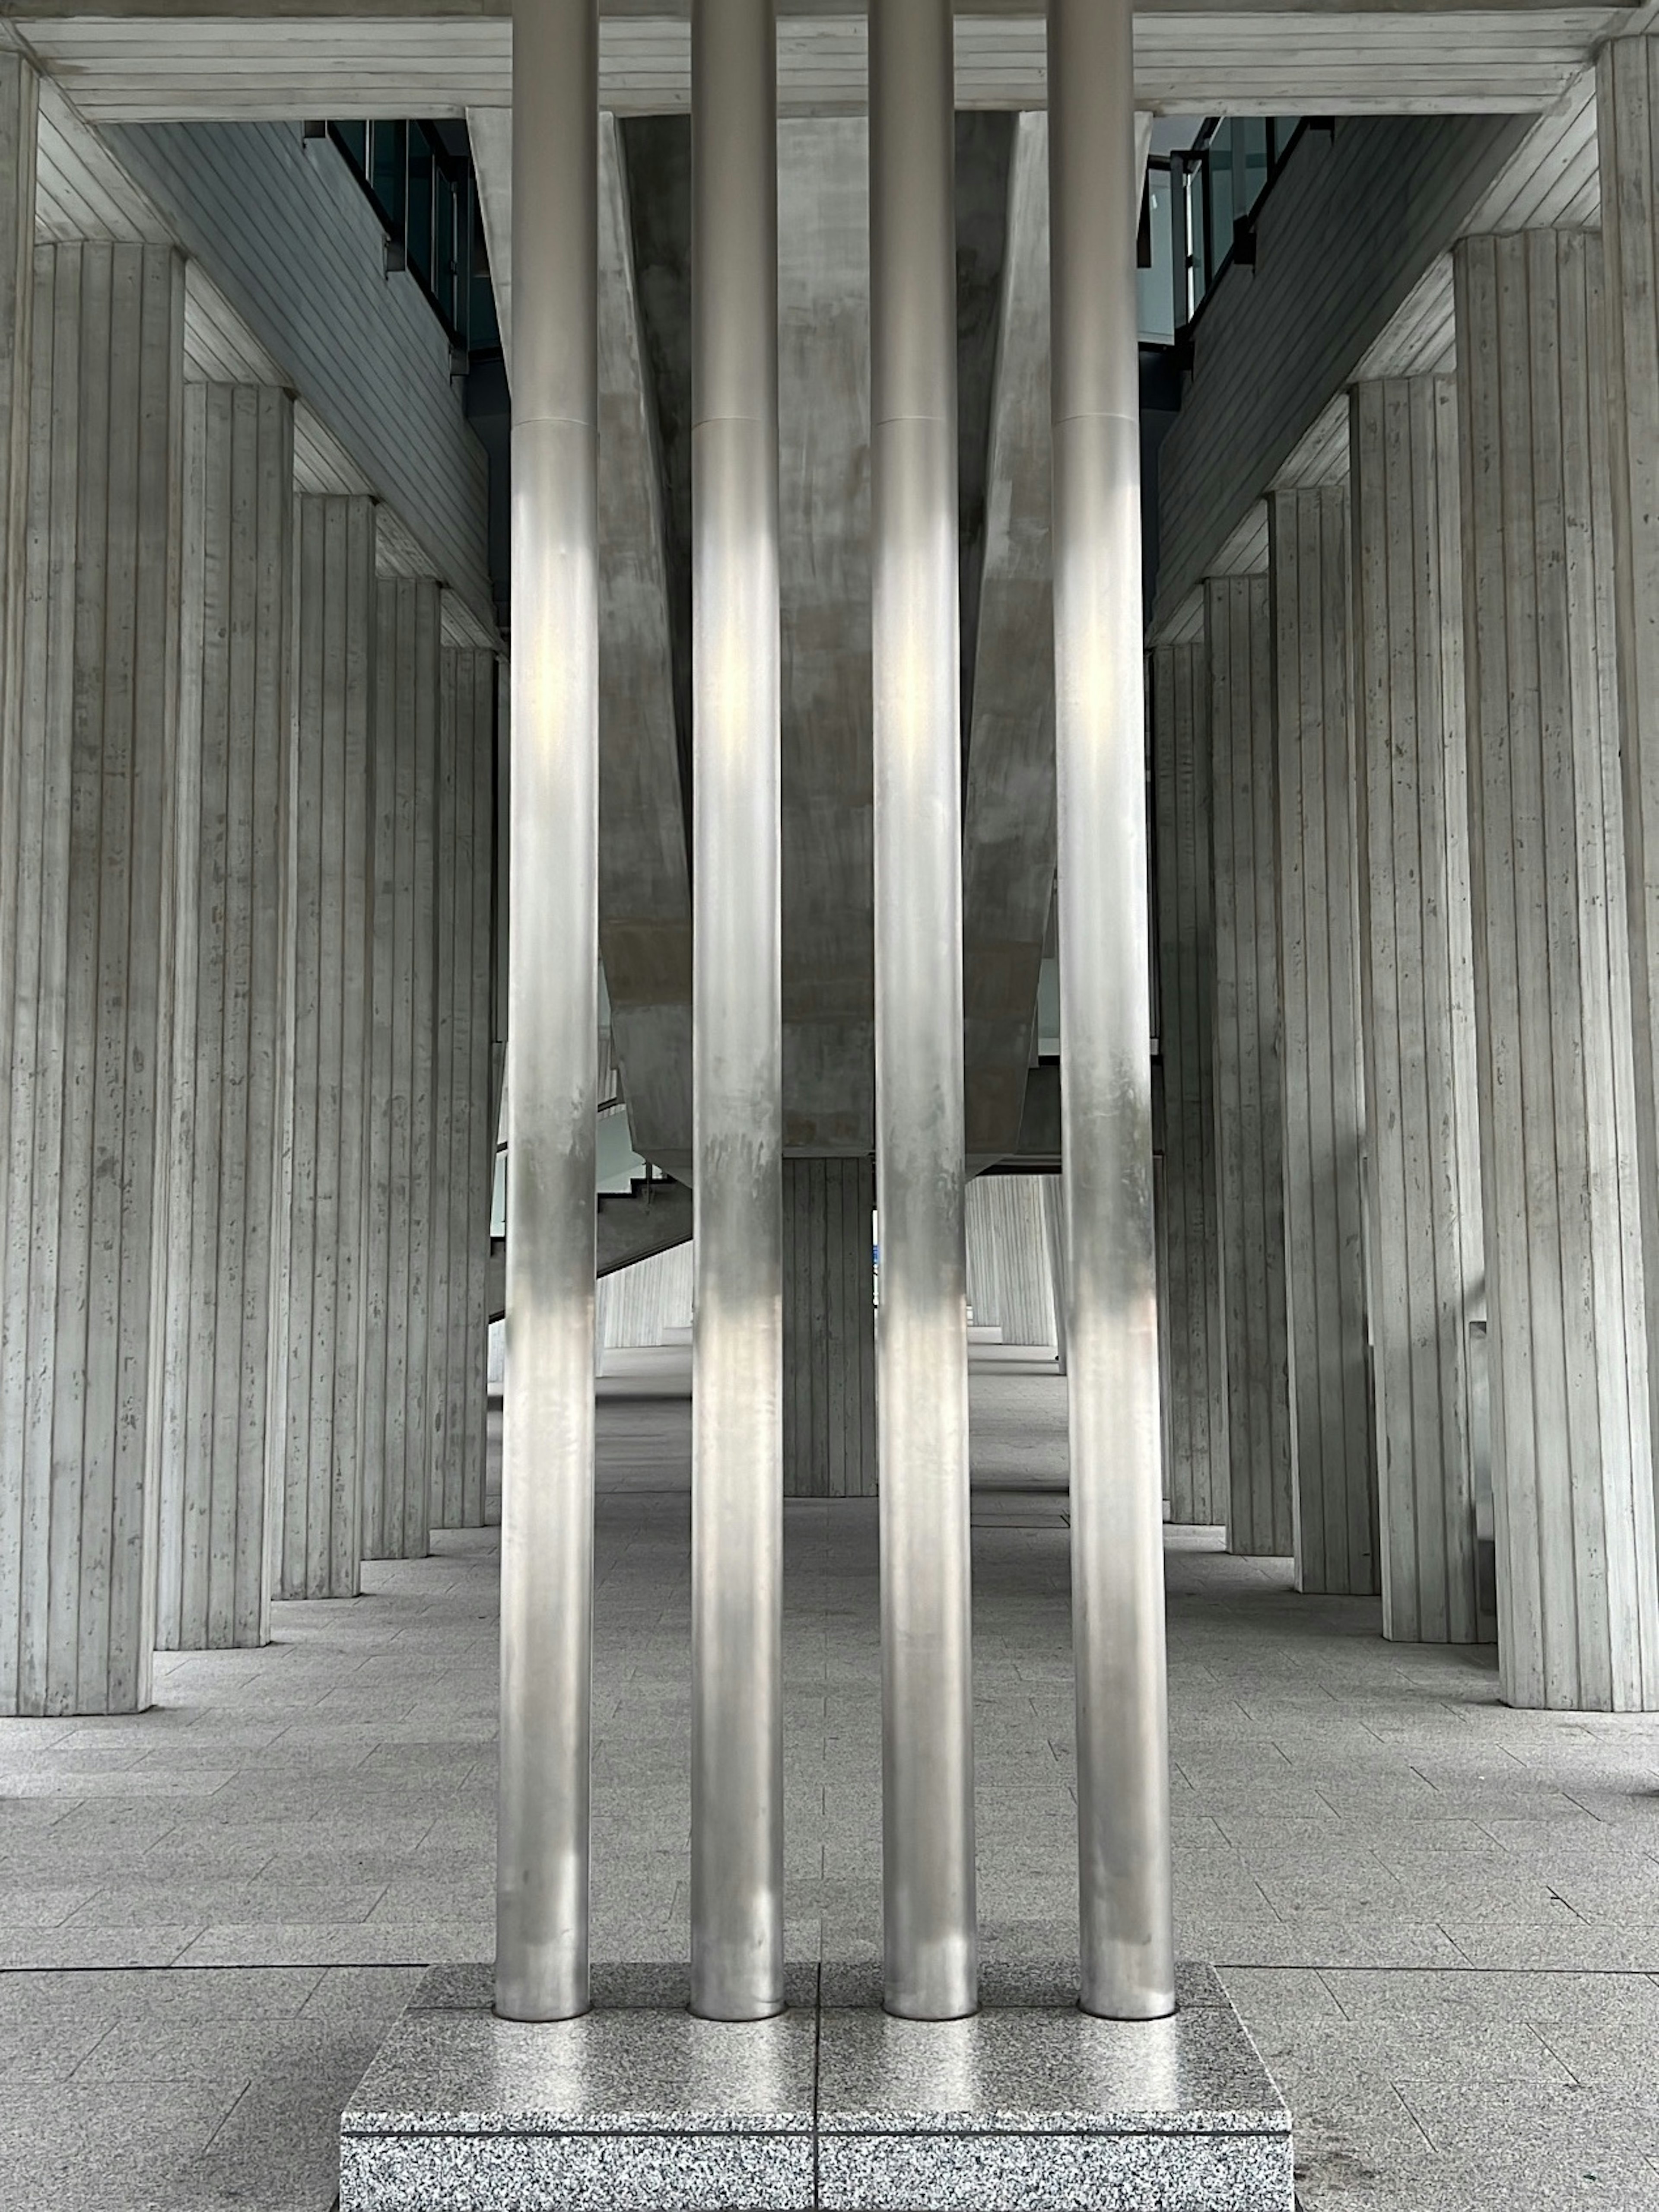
x=76, y=1949
x=1343, y=1809
x=98, y=2147
x=139, y=1903
x=432, y=1942
x=24, y=1905
x=46, y=2049
x=372, y=1993
x=1572, y=1944
x=1334, y=1941
x=1570, y=2123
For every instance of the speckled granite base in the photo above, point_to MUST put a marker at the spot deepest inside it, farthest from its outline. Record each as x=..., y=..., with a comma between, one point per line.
x=1029, y=2107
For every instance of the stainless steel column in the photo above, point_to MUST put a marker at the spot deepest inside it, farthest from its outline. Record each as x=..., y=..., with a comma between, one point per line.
x=547, y=1503
x=1117, y=1557
x=921, y=1361
x=737, y=1050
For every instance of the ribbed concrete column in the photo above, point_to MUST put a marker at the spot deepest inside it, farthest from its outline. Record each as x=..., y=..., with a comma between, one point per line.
x=398, y=1250
x=1008, y=1262
x=1195, y=1380
x=1333, y=1483
x=85, y=946
x=1250, y=1149
x=18, y=90
x=1627, y=113
x=230, y=832
x=829, y=1329
x=463, y=1137
x=1577, y=1594
x=1059, y=1274
x=316, y=1475
x=1416, y=959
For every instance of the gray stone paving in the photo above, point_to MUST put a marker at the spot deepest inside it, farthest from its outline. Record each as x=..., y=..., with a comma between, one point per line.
x=1439, y=1917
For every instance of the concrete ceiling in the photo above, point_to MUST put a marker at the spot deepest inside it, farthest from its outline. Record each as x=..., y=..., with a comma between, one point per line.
x=138, y=60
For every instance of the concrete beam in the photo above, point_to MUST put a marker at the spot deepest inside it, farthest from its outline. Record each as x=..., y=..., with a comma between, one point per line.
x=645, y=885
x=1008, y=804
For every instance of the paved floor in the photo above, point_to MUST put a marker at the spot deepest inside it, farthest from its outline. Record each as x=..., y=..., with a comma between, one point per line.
x=1439, y=1917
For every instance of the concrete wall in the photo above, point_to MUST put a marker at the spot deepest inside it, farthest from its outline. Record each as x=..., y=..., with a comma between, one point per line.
x=285, y=230
x=1347, y=231
x=1010, y=1284
x=636, y=1305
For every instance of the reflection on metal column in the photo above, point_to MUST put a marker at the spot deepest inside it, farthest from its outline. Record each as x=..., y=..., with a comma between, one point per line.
x=547, y=1503
x=1117, y=1561
x=737, y=1477
x=927, y=1753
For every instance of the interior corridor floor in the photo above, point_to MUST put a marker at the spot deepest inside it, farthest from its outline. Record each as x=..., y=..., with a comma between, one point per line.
x=1440, y=1919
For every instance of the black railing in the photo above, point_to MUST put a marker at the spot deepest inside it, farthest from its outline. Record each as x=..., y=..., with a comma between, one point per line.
x=1202, y=209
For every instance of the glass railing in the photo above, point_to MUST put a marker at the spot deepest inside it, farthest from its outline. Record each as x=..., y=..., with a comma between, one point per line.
x=418, y=178
x=1199, y=218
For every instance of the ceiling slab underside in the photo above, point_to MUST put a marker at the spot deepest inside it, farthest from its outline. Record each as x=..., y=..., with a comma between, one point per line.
x=403, y=59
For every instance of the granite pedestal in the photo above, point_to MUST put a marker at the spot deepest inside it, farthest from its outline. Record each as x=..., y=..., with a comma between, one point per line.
x=1030, y=2106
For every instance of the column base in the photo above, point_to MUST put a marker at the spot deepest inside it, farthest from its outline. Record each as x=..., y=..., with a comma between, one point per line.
x=834, y=2104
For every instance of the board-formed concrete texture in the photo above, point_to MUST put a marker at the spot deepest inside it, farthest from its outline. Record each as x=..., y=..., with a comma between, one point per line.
x=1030, y=2104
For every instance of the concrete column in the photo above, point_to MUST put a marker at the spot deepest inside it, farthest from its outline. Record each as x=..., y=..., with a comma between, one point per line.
x=1194, y=1376
x=18, y=91
x=1125, y=1925
x=547, y=1458
x=736, y=1045
x=829, y=1329
x=317, y=1458
x=1249, y=1140
x=930, y=1925
x=1332, y=1484
x=1627, y=113
x=1059, y=1275
x=85, y=951
x=463, y=1136
x=1577, y=1593
x=231, y=828
x=1009, y=1282
x=1426, y=1268
x=397, y=1435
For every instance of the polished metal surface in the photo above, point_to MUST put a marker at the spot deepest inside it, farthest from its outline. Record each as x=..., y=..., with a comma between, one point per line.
x=929, y=1936
x=1111, y=1328
x=547, y=1501
x=737, y=1054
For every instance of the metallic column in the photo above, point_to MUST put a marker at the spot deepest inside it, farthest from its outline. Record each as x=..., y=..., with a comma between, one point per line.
x=1118, y=1558
x=547, y=1503
x=736, y=1052
x=927, y=1748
